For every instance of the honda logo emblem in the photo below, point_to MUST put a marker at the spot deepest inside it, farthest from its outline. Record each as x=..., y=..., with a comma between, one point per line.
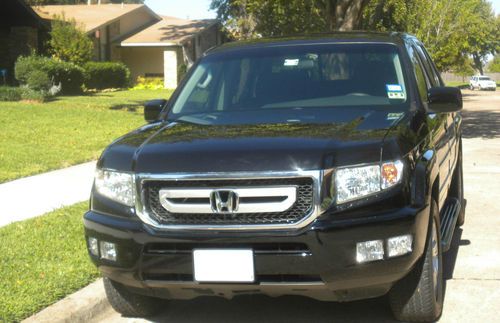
x=224, y=201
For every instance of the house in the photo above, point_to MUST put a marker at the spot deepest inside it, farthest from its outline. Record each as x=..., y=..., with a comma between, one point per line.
x=21, y=31
x=164, y=47
x=149, y=44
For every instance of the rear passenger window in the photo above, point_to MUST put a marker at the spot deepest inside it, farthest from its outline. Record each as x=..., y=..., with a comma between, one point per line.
x=428, y=65
x=422, y=81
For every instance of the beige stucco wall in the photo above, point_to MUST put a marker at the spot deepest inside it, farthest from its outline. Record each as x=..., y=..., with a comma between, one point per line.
x=161, y=61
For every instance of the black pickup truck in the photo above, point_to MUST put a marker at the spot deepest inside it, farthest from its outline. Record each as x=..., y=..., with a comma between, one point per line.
x=326, y=166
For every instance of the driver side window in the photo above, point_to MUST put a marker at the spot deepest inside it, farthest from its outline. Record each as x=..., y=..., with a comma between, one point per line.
x=423, y=83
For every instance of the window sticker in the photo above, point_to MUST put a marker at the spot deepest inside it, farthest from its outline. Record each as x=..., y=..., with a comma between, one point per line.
x=291, y=62
x=394, y=115
x=395, y=91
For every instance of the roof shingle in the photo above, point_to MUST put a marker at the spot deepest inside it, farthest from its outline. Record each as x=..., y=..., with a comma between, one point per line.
x=90, y=16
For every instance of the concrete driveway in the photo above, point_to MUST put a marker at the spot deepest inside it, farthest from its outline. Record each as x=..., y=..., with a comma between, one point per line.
x=472, y=266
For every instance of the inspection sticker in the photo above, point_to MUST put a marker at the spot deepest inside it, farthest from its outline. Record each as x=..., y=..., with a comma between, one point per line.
x=395, y=91
x=394, y=115
x=291, y=62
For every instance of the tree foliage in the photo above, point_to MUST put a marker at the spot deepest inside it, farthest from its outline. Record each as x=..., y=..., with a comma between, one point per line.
x=70, y=43
x=452, y=30
x=494, y=65
x=249, y=18
x=61, y=2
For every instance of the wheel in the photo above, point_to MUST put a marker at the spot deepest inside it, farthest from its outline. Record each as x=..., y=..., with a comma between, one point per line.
x=129, y=304
x=419, y=296
x=471, y=87
x=457, y=185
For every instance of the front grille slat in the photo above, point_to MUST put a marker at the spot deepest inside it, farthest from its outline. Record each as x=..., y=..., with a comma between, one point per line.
x=301, y=208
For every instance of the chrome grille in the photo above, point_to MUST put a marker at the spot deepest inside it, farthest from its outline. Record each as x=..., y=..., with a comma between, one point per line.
x=302, y=207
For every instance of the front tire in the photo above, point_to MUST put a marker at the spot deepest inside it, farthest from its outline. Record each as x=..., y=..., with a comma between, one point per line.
x=419, y=296
x=129, y=304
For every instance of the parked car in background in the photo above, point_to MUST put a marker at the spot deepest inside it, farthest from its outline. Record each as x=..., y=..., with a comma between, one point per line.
x=326, y=166
x=482, y=82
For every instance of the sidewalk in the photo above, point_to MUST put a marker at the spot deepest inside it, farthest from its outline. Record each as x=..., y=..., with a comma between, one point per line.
x=35, y=195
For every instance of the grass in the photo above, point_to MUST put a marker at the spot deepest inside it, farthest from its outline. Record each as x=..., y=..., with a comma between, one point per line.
x=41, y=261
x=38, y=137
x=458, y=84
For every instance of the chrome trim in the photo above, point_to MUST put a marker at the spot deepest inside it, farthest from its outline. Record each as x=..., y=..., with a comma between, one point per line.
x=142, y=212
x=216, y=205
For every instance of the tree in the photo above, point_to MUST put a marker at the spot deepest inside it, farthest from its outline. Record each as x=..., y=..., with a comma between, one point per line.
x=484, y=34
x=452, y=30
x=494, y=65
x=70, y=43
x=248, y=18
x=56, y=2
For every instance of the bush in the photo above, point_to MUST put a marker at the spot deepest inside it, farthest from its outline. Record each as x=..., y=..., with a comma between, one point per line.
x=67, y=74
x=8, y=93
x=106, y=75
x=69, y=42
x=38, y=80
x=34, y=95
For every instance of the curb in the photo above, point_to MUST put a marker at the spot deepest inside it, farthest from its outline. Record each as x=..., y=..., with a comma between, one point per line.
x=81, y=306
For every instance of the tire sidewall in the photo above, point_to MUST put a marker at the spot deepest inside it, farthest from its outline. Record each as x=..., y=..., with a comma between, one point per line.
x=439, y=297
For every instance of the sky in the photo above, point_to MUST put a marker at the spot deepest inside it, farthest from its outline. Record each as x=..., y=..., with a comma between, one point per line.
x=191, y=9
x=198, y=9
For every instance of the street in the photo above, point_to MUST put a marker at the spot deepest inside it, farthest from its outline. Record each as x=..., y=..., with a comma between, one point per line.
x=472, y=266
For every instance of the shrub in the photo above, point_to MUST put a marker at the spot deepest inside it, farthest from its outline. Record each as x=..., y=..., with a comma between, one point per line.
x=69, y=75
x=106, y=75
x=8, y=93
x=148, y=83
x=39, y=80
x=34, y=95
x=69, y=42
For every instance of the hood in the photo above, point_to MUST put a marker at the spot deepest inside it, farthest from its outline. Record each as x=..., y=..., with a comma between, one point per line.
x=355, y=137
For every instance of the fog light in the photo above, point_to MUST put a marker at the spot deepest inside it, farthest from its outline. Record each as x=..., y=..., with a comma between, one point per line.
x=93, y=246
x=108, y=250
x=398, y=246
x=369, y=251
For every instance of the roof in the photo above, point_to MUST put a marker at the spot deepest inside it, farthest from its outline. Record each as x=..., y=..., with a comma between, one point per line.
x=18, y=13
x=90, y=16
x=168, y=31
x=333, y=37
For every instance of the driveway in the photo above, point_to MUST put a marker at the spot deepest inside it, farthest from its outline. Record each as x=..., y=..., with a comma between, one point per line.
x=472, y=266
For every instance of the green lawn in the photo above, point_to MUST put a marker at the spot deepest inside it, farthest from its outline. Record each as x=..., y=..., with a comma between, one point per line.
x=41, y=261
x=37, y=137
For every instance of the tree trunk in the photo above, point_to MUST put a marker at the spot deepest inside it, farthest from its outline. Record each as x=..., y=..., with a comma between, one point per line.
x=344, y=14
x=478, y=63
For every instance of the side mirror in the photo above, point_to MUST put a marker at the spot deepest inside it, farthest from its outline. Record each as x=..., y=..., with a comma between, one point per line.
x=445, y=99
x=152, y=109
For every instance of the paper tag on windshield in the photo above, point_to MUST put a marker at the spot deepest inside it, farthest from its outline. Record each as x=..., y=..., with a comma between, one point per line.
x=395, y=91
x=291, y=62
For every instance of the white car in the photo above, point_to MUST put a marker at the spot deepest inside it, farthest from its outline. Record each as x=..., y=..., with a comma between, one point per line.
x=482, y=82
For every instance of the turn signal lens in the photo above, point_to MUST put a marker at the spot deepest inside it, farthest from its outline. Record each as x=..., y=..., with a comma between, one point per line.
x=391, y=173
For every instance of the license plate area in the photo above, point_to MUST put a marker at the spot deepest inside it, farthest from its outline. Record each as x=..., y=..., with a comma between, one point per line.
x=223, y=265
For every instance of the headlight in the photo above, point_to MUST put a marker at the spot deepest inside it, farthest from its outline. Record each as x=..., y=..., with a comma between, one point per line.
x=352, y=183
x=116, y=186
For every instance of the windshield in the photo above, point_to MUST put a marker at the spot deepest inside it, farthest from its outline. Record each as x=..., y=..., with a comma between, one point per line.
x=303, y=79
x=484, y=78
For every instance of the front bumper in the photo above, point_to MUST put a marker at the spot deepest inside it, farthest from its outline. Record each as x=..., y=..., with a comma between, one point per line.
x=318, y=261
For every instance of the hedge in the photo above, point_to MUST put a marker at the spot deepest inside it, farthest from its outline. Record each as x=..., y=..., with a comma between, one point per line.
x=106, y=75
x=8, y=93
x=69, y=75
